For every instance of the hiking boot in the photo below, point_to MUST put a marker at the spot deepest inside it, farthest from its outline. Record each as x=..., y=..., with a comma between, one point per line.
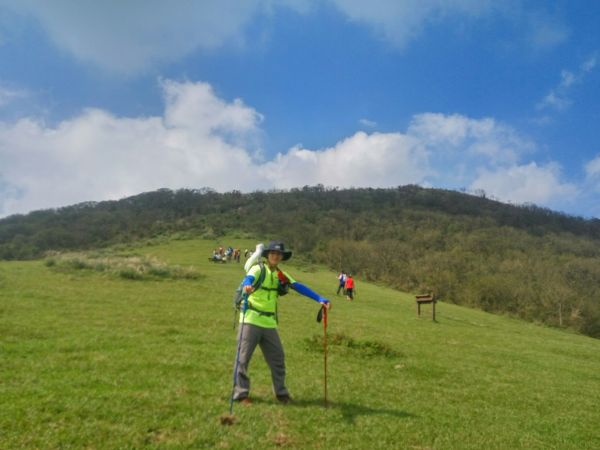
x=284, y=399
x=244, y=401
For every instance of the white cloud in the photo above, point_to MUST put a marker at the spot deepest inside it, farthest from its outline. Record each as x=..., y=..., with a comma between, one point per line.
x=9, y=94
x=367, y=123
x=592, y=180
x=555, y=100
x=559, y=97
x=486, y=155
x=202, y=140
x=376, y=160
x=546, y=32
x=592, y=168
x=485, y=139
x=99, y=156
x=590, y=63
x=527, y=183
x=400, y=21
x=589, y=201
x=133, y=36
x=195, y=106
x=436, y=150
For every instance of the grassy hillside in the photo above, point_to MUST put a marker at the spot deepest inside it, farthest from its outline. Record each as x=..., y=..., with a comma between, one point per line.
x=525, y=261
x=92, y=359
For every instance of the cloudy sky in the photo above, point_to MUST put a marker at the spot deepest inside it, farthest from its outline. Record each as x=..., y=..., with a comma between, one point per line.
x=104, y=99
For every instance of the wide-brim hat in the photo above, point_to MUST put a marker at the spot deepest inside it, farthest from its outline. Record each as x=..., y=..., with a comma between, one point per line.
x=277, y=246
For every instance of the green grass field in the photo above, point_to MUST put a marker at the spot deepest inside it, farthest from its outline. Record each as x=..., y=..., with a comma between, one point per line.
x=94, y=360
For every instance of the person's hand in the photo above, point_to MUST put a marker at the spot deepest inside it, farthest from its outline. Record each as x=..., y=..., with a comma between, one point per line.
x=248, y=289
x=326, y=303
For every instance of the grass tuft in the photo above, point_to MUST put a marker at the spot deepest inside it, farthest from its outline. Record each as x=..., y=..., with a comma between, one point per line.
x=365, y=348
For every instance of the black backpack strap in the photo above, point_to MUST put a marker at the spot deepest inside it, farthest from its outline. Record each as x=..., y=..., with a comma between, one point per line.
x=260, y=312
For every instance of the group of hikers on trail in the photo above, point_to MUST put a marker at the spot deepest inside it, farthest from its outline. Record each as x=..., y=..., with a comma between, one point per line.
x=263, y=284
x=229, y=254
x=346, y=285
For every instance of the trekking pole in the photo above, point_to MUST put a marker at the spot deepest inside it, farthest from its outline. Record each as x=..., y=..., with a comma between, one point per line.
x=234, y=316
x=229, y=420
x=238, y=299
x=325, y=350
x=322, y=316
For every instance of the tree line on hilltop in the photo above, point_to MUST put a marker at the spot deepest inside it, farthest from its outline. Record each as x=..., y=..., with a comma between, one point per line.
x=526, y=261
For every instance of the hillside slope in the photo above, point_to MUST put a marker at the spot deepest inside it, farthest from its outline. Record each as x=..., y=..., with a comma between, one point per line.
x=526, y=261
x=91, y=359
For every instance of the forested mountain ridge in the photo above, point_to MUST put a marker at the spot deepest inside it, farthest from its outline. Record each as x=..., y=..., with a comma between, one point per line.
x=523, y=260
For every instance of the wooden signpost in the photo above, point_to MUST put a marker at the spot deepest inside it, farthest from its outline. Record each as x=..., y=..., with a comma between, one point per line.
x=423, y=299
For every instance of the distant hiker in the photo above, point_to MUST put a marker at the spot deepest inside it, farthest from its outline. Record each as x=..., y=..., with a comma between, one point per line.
x=349, y=287
x=259, y=322
x=341, y=282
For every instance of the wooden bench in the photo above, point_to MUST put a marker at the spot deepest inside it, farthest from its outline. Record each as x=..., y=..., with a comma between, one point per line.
x=423, y=299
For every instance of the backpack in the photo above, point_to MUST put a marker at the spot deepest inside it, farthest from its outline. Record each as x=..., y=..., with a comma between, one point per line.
x=238, y=296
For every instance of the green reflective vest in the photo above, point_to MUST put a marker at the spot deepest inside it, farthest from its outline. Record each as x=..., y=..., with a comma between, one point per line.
x=262, y=310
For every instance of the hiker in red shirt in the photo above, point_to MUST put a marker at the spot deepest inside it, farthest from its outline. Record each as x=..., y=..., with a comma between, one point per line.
x=349, y=287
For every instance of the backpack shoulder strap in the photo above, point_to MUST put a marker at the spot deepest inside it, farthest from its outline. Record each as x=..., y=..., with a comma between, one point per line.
x=261, y=277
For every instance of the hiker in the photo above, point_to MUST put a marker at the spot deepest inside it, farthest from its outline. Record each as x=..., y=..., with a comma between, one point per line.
x=349, y=287
x=341, y=282
x=259, y=322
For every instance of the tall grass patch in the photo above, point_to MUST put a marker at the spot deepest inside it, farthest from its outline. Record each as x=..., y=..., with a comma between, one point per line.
x=128, y=266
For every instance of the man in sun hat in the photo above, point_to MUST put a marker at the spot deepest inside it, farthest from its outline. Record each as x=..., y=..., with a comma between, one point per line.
x=259, y=322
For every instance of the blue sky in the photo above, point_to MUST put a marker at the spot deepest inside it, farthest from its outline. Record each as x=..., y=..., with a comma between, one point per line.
x=101, y=100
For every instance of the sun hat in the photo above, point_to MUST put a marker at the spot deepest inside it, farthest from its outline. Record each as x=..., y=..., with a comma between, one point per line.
x=277, y=246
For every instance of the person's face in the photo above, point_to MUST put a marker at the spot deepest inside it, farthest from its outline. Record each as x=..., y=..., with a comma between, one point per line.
x=274, y=258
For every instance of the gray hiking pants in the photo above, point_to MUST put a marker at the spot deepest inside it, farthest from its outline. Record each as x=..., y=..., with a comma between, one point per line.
x=270, y=344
